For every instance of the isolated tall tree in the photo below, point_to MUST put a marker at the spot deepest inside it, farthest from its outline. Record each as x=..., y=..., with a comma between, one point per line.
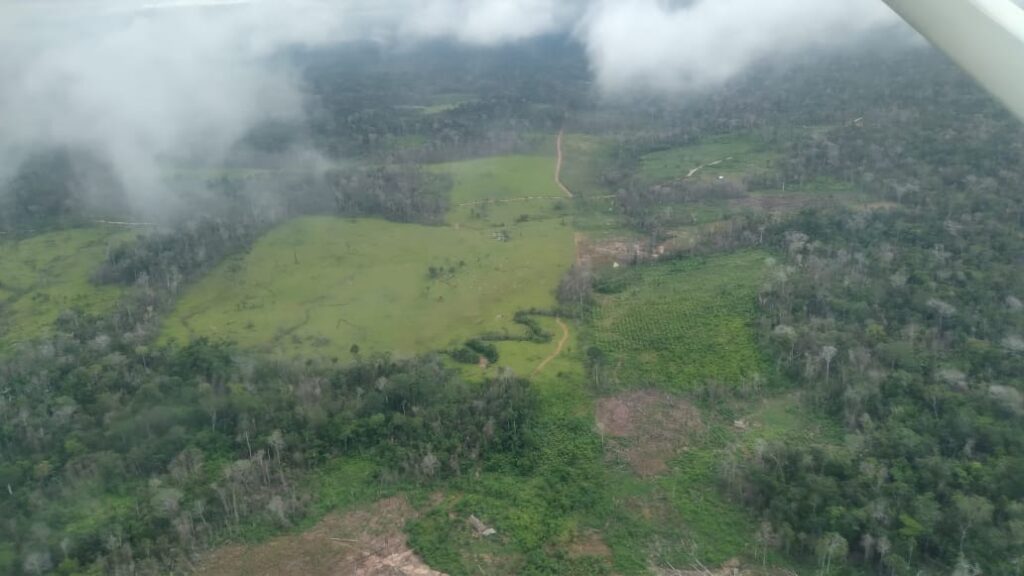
x=832, y=548
x=827, y=354
x=575, y=291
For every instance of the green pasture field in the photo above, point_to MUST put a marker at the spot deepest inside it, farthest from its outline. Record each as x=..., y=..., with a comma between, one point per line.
x=46, y=274
x=677, y=324
x=739, y=155
x=318, y=285
x=585, y=158
x=501, y=178
x=500, y=191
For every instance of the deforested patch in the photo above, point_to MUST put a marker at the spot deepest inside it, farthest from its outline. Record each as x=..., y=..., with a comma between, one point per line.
x=364, y=542
x=647, y=428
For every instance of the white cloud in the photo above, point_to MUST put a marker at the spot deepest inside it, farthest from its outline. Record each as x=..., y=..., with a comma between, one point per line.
x=144, y=80
x=483, y=22
x=649, y=44
x=138, y=87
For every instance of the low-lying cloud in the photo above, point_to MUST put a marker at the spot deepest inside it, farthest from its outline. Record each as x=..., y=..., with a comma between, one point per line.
x=655, y=46
x=147, y=81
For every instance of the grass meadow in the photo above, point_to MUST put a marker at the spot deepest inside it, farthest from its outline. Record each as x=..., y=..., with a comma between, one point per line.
x=737, y=155
x=316, y=286
x=48, y=273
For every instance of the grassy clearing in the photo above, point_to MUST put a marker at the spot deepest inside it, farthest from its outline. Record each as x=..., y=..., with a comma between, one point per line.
x=320, y=285
x=738, y=155
x=504, y=190
x=735, y=156
x=501, y=178
x=585, y=157
x=46, y=274
x=677, y=324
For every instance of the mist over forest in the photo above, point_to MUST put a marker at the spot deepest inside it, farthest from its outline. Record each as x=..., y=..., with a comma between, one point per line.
x=504, y=287
x=147, y=88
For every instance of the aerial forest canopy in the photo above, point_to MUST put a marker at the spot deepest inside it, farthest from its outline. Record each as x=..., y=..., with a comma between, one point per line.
x=775, y=326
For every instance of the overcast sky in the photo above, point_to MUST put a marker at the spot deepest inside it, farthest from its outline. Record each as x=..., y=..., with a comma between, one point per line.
x=143, y=79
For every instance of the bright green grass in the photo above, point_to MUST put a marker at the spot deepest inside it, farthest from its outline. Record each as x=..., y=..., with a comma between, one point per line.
x=498, y=215
x=738, y=154
x=501, y=177
x=502, y=190
x=318, y=285
x=46, y=274
x=678, y=324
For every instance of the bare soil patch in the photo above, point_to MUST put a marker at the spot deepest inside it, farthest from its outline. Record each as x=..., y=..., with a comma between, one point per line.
x=366, y=542
x=647, y=428
x=622, y=251
x=629, y=250
x=589, y=544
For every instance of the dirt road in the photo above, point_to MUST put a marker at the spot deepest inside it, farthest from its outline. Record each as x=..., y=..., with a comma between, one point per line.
x=558, y=349
x=703, y=166
x=558, y=164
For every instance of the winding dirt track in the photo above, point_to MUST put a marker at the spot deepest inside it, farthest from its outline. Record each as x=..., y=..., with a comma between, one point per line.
x=561, y=324
x=708, y=165
x=558, y=165
x=558, y=350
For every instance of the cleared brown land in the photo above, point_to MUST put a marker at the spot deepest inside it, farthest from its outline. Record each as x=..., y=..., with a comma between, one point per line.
x=647, y=428
x=366, y=542
x=589, y=544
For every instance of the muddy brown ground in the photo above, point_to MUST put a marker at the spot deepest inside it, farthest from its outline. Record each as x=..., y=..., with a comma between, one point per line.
x=589, y=544
x=366, y=542
x=647, y=428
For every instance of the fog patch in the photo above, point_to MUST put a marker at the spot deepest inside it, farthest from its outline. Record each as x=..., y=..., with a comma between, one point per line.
x=158, y=84
x=145, y=90
x=655, y=46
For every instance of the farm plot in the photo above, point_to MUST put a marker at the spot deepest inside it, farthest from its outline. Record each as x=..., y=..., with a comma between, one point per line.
x=678, y=324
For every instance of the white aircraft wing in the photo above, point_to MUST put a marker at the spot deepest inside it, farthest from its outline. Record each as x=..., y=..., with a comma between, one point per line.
x=985, y=37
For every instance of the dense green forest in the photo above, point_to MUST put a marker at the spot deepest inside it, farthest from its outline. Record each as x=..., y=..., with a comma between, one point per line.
x=881, y=190
x=900, y=320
